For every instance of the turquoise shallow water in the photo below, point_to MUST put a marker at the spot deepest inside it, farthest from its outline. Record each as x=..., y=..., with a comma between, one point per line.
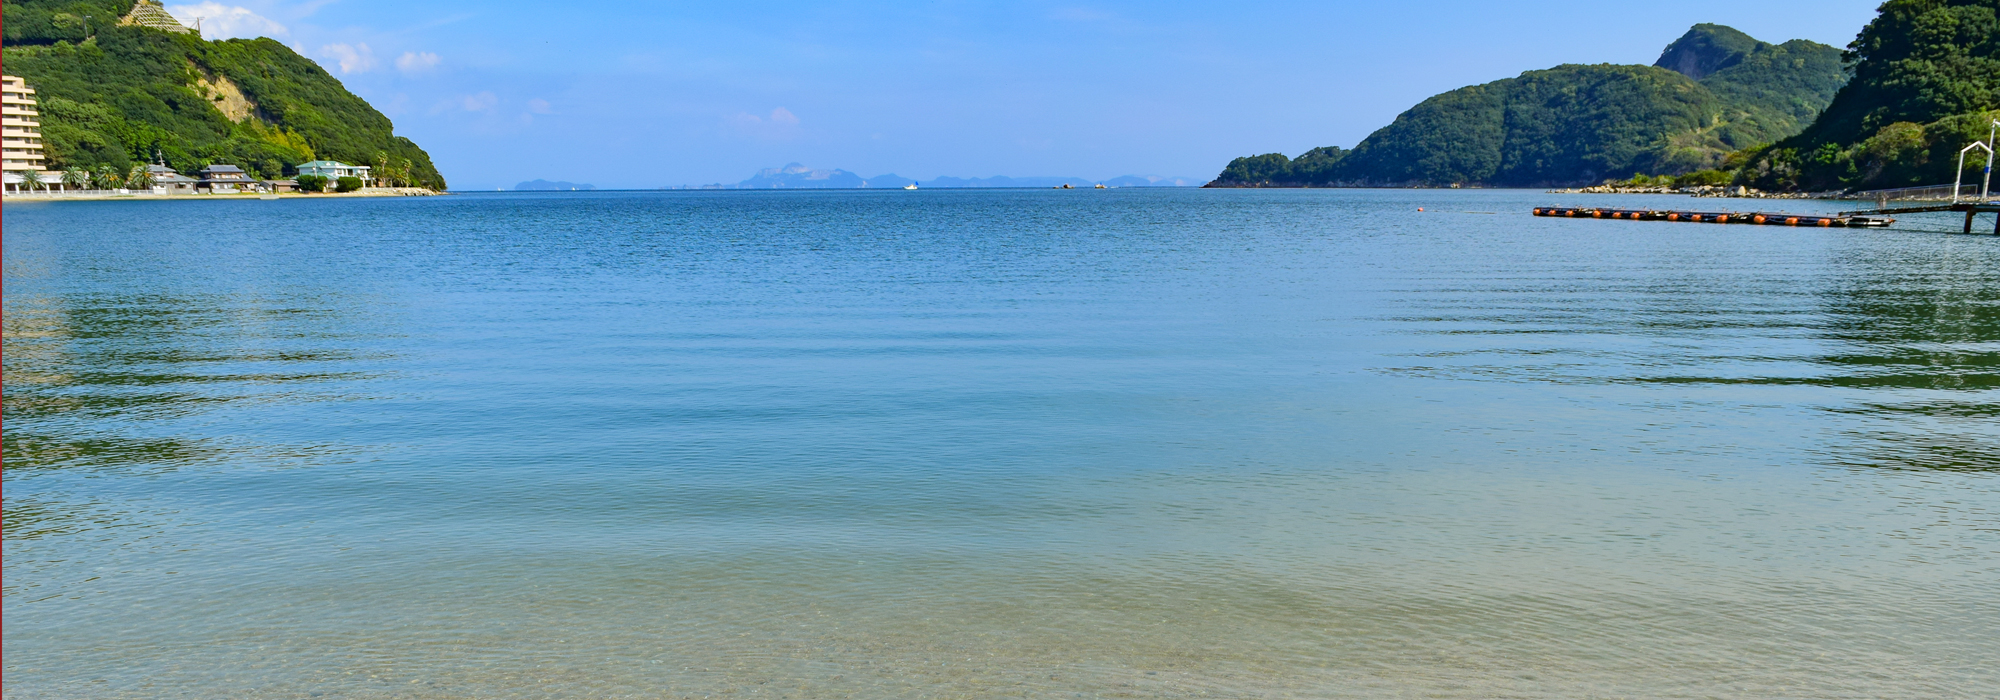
x=929, y=444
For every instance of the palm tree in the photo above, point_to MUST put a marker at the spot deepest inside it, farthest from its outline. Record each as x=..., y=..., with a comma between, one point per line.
x=76, y=177
x=31, y=178
x=105, y=178
x=382, y=169
x=140, y=178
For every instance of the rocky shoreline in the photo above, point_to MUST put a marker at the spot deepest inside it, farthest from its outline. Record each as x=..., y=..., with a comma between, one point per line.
x=1732, y=192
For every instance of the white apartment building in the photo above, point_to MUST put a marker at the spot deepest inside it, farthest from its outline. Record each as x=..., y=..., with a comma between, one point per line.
x=20, y=133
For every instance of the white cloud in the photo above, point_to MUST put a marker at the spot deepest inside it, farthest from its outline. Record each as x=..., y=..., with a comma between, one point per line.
x=356, y=58
x=219, y=21
x=481, y=102
x=784, y=116
x=413, y=62
x=540, y=106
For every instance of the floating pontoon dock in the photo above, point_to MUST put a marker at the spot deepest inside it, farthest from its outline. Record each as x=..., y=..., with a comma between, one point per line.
x=1845, y=220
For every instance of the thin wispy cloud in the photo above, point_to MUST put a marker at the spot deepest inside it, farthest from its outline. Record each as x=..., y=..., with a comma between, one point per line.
x=414, y=62
x=481, y=102
x=780, y=124
x=352, y=58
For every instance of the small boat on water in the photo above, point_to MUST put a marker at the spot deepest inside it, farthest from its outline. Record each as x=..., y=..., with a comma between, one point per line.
x=268, y=197
x=910, y=186
x=1100, y=185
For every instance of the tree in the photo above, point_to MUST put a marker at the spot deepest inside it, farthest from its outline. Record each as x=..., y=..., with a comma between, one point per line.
x=381, y=169
x=127, y=95
x=139, y=178
x=311, y=183
x=76, y=177
x=31, y=179
x=104, y=179
x=347, y=184
x=1926, y=83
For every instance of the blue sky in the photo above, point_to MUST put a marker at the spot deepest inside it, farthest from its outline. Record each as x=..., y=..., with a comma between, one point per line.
x=646, y=94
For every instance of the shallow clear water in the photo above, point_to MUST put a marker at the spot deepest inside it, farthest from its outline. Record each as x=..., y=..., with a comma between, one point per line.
x=936, y=444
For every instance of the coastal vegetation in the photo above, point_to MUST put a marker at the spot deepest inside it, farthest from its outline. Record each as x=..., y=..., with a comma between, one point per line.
x=1926, y=83
x=112, y=96
x=1713, y=92
x=1919, y=83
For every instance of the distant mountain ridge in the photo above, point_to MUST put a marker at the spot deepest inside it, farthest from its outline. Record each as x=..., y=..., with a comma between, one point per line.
x=799, y=177
x=1714, y=91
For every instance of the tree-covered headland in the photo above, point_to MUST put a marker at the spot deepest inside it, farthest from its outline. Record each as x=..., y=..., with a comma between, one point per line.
x=114, y=95
x=1713, y=92
x=1926, y=83
x=1919, y=83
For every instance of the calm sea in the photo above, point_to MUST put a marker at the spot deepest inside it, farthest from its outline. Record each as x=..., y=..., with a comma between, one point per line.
x=943, y=444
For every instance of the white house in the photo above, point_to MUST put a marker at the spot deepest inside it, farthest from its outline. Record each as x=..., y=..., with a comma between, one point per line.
x=334, y=170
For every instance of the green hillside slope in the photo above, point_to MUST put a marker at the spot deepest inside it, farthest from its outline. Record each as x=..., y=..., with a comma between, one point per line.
x=1926, y=83
x=126, y=93
x=1715, y=91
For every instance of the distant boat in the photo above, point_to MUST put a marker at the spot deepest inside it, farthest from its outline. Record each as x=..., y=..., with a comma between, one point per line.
x=1100, y=185
x=910, y=186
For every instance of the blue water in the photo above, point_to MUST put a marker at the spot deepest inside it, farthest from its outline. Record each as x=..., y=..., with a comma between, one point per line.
x=1123, y=443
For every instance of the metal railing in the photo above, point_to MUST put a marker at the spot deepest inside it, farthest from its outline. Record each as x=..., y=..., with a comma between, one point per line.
x=1932, y=193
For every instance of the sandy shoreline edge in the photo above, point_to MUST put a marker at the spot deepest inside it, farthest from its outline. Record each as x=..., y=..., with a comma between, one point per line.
x=243, y=197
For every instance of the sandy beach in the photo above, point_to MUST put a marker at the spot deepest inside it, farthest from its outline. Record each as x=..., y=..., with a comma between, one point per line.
x=12, y=198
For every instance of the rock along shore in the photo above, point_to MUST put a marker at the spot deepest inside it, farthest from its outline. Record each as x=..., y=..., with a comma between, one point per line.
x=1738, y=192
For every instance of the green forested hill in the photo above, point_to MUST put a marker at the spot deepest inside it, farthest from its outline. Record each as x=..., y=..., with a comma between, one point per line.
x=1715, y=91
x=1926, y=83
x=126, y=93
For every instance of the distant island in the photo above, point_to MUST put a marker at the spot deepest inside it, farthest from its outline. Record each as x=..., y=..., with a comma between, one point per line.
x=547, y=186
x=799, y=177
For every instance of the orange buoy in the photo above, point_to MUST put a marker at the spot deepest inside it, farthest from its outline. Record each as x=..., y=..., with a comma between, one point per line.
x=1722, y=219
x=1674, y=216
x=1793, y=221
x=1825, y=222
x=1420, y=208
x=1759, y=218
